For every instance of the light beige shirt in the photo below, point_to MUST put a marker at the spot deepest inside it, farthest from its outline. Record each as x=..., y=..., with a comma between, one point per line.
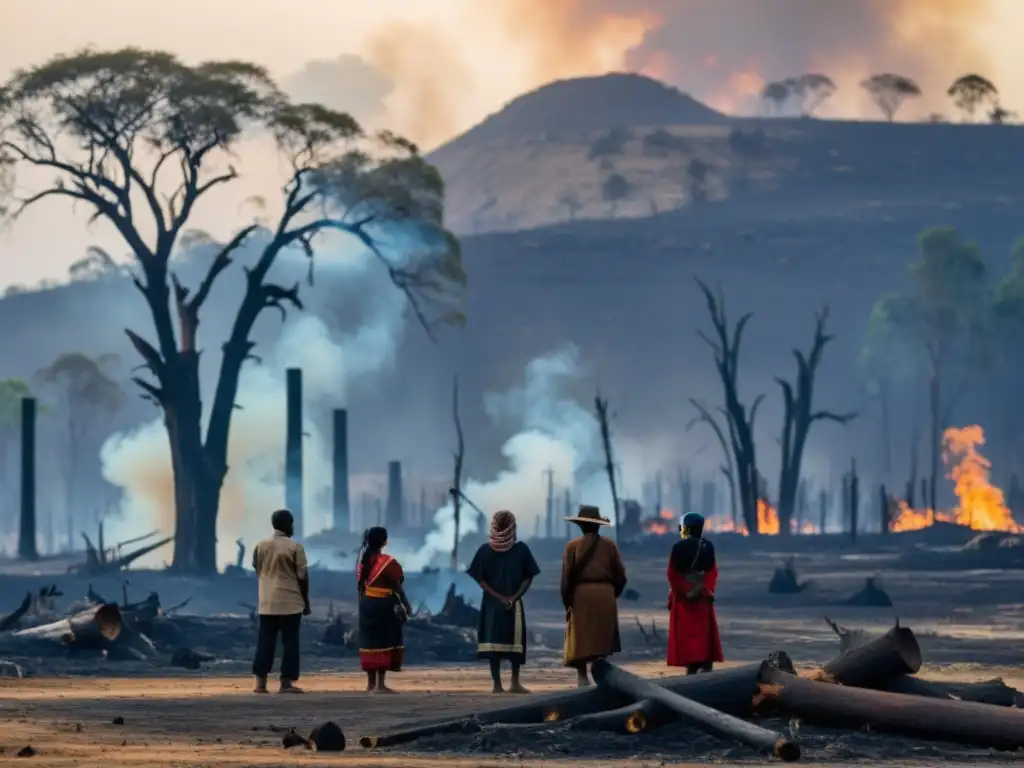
x=280, y=562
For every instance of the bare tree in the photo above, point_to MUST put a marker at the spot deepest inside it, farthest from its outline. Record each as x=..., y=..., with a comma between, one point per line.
x=797, y=418
x=460, y=451
x=140, y=139
x=889, y=91
x=969, y=92
x=725, y=343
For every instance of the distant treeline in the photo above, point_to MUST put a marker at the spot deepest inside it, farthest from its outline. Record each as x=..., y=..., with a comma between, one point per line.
x=971, y=94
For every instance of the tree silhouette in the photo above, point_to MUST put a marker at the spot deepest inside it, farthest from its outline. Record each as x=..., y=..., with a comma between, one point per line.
x=140, y=139
x=615, y=189
x=806, y=92
x=798, y=416
x=970, y=92
x=84, y=398
x=570, y=200
x=942, y=321
x=12, y=391
x=889, y=92
x=777, y=95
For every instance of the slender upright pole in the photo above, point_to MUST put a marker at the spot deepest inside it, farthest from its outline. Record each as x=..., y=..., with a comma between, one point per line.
x=342, y=515
x=27, y=534
x=293, y=450
x=549, y=528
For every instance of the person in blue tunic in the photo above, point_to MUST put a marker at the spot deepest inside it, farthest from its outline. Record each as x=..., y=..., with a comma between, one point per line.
x=504, y=568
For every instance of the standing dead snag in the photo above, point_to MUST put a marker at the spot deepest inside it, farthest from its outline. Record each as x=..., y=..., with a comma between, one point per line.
x=456, y=491
x=725, y=344
x=140, y=138
x=797, y=419
x=601, y=406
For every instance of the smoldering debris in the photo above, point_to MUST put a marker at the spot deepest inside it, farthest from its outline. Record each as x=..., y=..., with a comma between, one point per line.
x=143, y=637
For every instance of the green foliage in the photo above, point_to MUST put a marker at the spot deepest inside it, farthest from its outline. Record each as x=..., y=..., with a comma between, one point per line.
x=134, y=133
x=951, y=312
x=12, y=392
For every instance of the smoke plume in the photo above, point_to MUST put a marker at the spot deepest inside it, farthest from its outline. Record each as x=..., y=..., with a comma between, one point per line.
x=553, y=432
x=139, y=460
x=721, y=51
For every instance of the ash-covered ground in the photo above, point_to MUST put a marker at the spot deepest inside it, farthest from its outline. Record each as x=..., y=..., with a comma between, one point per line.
x=969, y=624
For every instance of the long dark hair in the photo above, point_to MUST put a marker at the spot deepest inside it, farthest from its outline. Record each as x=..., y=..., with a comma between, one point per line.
x=373, y=539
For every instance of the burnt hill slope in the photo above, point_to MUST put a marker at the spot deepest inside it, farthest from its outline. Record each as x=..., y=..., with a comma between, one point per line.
x=545, y=160
x=582, y=104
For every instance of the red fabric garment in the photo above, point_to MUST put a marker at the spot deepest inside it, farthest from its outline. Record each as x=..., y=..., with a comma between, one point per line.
x=692, y=627
x=384, y=573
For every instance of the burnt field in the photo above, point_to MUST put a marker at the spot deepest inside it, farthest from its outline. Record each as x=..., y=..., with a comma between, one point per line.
x=969, y=624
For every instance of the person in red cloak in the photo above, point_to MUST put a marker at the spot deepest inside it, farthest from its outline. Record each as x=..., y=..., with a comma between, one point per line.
x=693, y=640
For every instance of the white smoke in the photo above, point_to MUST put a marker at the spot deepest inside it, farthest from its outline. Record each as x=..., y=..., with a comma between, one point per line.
x=554, y=432
x=139, y=460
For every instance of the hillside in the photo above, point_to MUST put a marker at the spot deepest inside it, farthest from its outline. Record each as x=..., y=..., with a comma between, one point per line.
x=547, y=157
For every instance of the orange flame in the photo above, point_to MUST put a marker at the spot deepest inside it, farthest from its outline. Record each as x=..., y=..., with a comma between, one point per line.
x=658, y=526
x=981, y=506
x=767, y=519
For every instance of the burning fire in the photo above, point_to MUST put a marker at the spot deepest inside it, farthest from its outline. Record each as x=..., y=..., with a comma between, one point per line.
x=662, y=524
x=767, y=523
x=767, y=519
x=981, y=506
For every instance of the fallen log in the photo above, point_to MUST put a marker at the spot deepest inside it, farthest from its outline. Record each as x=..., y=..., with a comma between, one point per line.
x=638, y=717
x=729, y=690
x=91, y=629
x=994, y=692
x=10, y=621
x=877, y=661
x=711, y=720
x=818, y=703
x=405, y=735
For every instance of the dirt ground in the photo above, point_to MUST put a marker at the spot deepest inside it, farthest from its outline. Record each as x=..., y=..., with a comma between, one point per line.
x=968, y=623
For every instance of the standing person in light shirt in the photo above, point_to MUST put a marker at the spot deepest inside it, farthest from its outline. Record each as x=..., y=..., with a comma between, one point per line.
x=280, y=563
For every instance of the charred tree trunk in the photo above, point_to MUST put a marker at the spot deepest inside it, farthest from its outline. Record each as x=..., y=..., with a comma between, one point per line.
x=27, y=531
x=885, y=422
x=601, y=407
x=878, y=661
x=706, y=718
x=456, y=491
x=981, y=725
x=89, y=630
x=935, y=429
x=725, y=345
x=293, y=449
x=797, y=418
x=884, y=518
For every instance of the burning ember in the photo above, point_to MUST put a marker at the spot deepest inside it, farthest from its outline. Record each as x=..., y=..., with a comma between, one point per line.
x=664, y=523
x=981, y=505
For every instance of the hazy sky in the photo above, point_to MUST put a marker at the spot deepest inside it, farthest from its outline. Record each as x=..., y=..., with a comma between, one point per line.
x=431, y=68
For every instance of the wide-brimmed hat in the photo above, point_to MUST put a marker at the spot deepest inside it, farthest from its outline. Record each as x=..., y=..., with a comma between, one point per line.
x=589, y=514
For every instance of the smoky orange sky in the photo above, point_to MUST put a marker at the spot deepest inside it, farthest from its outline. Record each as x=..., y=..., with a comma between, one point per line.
x=432, y=68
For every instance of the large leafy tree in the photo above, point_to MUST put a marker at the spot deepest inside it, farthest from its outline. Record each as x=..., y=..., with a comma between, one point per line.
x=141, y=139
x=943, y=319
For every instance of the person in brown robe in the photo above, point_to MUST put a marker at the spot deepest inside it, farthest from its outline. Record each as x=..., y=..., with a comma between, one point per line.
x=593, y=578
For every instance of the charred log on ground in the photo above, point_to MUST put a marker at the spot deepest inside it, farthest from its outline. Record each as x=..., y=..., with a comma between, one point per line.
x=708, y=719
x=819, y=703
